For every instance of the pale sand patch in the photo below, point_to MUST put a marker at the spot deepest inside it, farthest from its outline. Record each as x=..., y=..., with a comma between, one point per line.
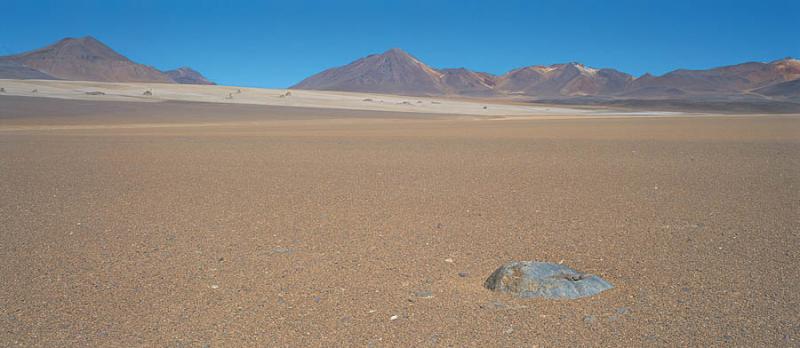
x=263, y=96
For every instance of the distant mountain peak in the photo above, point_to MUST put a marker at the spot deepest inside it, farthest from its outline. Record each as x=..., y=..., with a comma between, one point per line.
x=187, y=75
x=396, y=71
x=85, y=59
x=396, y=50
x=400, y=55
x=86, y=48
x=87, y=38
x=786, y=59
x=393, y=71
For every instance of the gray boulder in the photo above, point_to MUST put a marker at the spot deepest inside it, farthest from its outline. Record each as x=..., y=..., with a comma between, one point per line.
x=529, y=279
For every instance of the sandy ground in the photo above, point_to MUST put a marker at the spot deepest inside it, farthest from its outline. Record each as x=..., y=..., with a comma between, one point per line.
x=77, y=90
x=192, y=225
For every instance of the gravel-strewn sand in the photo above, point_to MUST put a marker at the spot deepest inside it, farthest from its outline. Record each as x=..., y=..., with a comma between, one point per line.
x=170, y=224
x=133, y=92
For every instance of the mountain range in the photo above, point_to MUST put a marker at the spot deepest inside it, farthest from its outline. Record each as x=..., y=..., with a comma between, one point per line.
x=397, y=72
x=87, y=59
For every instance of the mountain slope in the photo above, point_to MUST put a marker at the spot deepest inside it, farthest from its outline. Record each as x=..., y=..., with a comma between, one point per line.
x=392, y=72
x=466, y=82
x=397, y=72
x=13, y=70
x=86, y=59
x=788, y=89
x=571, y=79
x=733, y=79
x=186, y=75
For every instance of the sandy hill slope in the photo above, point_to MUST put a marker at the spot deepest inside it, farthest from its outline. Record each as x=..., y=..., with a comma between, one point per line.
x=162, y=92
x=186, y=75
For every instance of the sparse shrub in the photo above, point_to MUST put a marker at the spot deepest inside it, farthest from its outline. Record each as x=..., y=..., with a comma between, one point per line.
x=2, y=90
x=147, y=93
x=95, y=93
x=35, y=91
x=368, y=100
x=238, y=91
x=229, y=96
x=287, y=94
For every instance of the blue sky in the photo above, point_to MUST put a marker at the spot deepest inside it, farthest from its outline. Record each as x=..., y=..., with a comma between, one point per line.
x=278, y=43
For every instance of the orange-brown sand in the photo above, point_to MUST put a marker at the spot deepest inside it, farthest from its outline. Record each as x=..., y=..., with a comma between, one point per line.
x=177, y=224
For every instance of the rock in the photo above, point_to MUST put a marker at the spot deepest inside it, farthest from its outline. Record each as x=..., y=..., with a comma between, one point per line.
x=494, y=305
x=463, y=274
x=423, y=294
x=529, y=279
x=281, y=250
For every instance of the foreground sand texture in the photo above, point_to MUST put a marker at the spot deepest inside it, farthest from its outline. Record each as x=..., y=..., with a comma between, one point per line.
x=191, y=224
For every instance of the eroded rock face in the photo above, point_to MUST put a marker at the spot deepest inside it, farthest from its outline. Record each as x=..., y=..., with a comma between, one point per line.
x=529, y=279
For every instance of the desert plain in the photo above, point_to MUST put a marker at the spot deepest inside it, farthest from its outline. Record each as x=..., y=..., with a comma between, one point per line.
x=186, y=219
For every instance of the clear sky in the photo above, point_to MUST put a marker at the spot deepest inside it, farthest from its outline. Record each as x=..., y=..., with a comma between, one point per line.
x=278, y=43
